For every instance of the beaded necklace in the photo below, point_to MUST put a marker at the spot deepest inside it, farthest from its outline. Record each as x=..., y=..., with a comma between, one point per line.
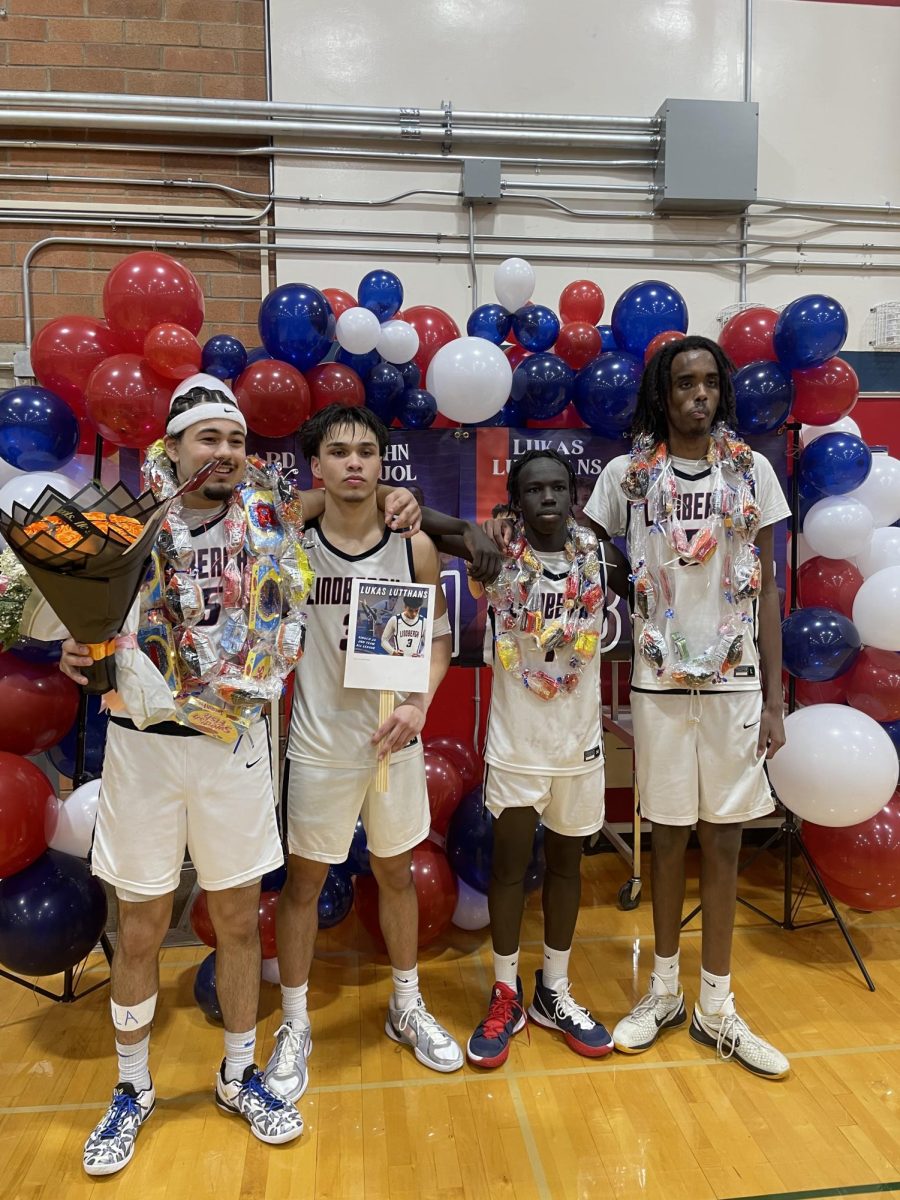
x=516, y=598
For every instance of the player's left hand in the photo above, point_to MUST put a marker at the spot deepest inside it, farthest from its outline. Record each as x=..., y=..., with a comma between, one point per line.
x=402, y=513
x=486, y=557
x=404, y=723
x=771, y=731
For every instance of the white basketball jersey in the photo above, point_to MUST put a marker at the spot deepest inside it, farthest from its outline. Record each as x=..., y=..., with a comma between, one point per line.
x=406, y=636
x=561, y=736
x=208, y=543
x=331, y=723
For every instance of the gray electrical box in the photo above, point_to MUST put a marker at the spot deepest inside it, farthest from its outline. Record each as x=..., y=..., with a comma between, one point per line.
x=707, y=156
x=481, y=180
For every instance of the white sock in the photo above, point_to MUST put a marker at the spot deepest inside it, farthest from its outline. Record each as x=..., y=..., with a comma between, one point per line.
x=714, y=990
x=134, y=1063
x=239, y=1048
x=506, y=969
x=666, y=971
x=556, y=967
x=406, y=986
x=293, y=1004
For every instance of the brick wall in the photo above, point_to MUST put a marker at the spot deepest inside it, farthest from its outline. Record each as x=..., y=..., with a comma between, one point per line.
x=209, y=48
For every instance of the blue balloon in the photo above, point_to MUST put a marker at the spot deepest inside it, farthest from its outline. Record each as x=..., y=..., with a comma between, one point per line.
x=257, y=354
x=605, y=392
x=357, y=861
x=62, y=755
x=362, y=364
x=892, y=729
x=384, y=387
x=543, y=384
x=511, y=416
x=417, y=409
x=536, y=327
x=296, y=324
x=38, y=430
x=834, y=464
x=763, y=396
x=274, y=881
x=205, y=989
x=491, y=322
x=223, y=356
x=607, y=338
x=412, y=376
x=809, y=331
x=819, y=644
x=470, y=845
x=336, y=897
x=381, y=292
x=644, y=310
x=51, y=915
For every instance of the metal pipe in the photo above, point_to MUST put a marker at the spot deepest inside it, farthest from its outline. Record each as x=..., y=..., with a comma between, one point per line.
x=472, y=270
x=743, y=224
x=132, y=181
x=246, y=127
x=115, y=102
x=823, y=206
x=556, y=185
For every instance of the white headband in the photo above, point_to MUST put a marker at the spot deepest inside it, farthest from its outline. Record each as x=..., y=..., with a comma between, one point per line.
x=222, y=404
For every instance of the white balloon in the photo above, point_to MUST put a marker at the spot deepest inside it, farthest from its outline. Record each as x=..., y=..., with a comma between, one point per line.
x=837, y=767
x=470, y=379
x=876, y=610
x=270, y=971
x=25, y=489
x=514, y=283
x=358, y=330
x=883, y=551
x=471, y=910
x=880, y=491
x=803, y=551
x=809, y=433
x=838, y=527
x=77, y=815
x=398, y=342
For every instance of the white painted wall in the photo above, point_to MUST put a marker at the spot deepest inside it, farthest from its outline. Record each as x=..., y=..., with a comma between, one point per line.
x=825, y=77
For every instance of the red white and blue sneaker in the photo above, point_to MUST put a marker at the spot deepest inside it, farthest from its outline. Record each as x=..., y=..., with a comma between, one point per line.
x=271, y=1119
x=489, y=1044
x=557, y=1010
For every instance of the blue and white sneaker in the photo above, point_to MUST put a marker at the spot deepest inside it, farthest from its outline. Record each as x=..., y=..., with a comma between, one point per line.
x=557, y=1010
x=270, y=1118
x=489, y=1045
x=111, y=1145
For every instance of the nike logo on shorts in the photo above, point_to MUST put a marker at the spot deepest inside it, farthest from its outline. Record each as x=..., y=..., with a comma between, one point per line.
x=253, y=764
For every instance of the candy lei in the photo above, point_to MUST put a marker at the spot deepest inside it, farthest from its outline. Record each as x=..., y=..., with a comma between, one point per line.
x=650, y=481
x=266, y=577
x=516, y=597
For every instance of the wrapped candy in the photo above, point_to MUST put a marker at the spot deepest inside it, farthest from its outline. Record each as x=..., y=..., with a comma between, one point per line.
x=585, y=540
x=198, y=655
x=265, y=598
x=694, y=673
x=652, y=646
x=568, y=683
x=264, y=533
x=232, y=585
x=225, y=723
x=291, y=639
x=508, y=652
x=288, y=505
x=679, y=641
x=645, y=594
x=746, y=574
x=592, y=598
x=531, y=620
x=531, y=561
x=233, y=637
x=153, y=587
x=235, y=528
x=174, y=543
x=586, y=643
x=296, y=574
x=156, y=640
x=702, y=545
x=184, y=599
x=540, y=684
x=591, y=567
x=551, y=636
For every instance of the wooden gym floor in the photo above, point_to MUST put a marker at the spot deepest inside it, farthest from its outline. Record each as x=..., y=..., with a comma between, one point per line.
x=673, y=1124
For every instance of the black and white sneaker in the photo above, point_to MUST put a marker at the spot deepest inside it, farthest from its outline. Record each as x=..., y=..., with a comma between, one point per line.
x=270, y=1118
x=731, y=1037
x=111, y=1145
x=659, y=1010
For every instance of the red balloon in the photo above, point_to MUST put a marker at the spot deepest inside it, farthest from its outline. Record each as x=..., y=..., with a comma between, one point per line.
x=273, y=396
x=27, y=802
x=128, y=402
x=666, y=338
x=567, y=419
x=578, y=343
x=436, y=892
x=516, y=354
x=860, y=864
x=339, y=300
x=147, y=289
x=467, y=761
x=581, y=301
x=435, y=329
x=873, y=684
x=831, y=691
x=445, y=789
x=333, y=383
x=65, y=352
x=39, y=705
x=201, y=922
x=824, y=394
x=747, y=337
x=828, y=582
x=172, y=351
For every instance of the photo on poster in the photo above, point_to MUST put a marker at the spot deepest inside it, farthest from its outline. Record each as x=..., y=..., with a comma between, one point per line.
x=389, y=635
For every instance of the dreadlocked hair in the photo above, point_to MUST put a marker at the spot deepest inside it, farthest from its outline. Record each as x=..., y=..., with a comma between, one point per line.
x=656, y=388
x=515, y=472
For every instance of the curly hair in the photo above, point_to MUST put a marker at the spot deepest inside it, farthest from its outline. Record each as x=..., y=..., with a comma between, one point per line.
x=656, y=387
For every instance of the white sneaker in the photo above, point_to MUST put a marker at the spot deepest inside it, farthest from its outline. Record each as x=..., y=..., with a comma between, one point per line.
x=270, y=1118
x=432, y=1044
x=653, y=1013
x=286, y=1073
x=731, y=1037
x=110, y=1146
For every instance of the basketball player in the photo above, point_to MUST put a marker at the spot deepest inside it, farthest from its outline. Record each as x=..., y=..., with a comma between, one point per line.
x=139, y=847
x=336, y=742
x=404, y=634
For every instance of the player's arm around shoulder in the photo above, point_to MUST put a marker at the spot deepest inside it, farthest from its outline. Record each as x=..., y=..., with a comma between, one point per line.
x=427, y=565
